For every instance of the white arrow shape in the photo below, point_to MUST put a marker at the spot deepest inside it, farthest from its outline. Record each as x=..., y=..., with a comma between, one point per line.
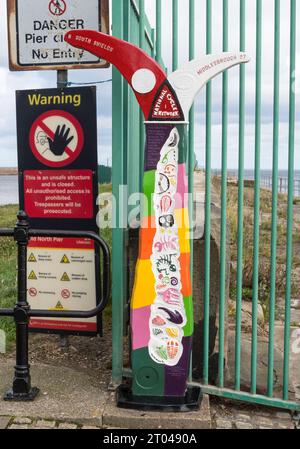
x=192, y=77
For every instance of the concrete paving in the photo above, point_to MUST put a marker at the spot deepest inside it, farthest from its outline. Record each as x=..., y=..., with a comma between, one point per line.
x=70, y=398
x=132, y=419
x=66, y=395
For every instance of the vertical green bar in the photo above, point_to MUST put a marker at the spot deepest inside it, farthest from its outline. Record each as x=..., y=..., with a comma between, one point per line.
x=153, y=43
x=158, y=31
x=289, y=244
x=118, y=178
x=274, y=197
x=142, y=127
x=126, y=118
x=223, y=248
x=175, y=36
x=256, y=195
x=207, y=200
x=240, y=205
x=191, y=157
x=191, y=152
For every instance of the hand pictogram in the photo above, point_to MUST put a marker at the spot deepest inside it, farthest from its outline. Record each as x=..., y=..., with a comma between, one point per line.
x=61, y=140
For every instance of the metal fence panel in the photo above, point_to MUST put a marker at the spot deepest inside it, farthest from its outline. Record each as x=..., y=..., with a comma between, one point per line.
x=130, y=22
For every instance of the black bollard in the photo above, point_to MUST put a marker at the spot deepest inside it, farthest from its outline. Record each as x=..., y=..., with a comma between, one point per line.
x=22, y=390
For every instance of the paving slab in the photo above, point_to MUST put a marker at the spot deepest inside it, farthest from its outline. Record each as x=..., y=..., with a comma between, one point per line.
x=133, y=419
x=4, y=421
x=66, y=395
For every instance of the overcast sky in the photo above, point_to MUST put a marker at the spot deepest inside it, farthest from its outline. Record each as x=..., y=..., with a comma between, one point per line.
x=11, y=81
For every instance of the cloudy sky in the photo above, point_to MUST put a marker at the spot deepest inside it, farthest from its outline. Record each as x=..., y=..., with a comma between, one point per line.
x=11, y=81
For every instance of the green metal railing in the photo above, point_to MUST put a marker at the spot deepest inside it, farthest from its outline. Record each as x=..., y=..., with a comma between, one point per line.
x=130, y=23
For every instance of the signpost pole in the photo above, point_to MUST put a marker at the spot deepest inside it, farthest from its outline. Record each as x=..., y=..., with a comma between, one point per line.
x=162, y=303
x=21, y=389
x=62, y=81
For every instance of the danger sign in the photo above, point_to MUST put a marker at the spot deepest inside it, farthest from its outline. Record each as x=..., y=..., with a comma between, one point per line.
x=36, y=33
x=56, y=138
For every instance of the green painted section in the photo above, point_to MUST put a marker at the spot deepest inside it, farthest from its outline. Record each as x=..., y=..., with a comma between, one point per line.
x=148, y=189
x=148, y=376
x=251, y=398
x=256, y=231
x=223, y=245
x=240, y=242
x=183, y=146
x=290, y=208
x=126, y=168
x=207, y=199
x=189, y=310
x=273, y=276
x=118, y=238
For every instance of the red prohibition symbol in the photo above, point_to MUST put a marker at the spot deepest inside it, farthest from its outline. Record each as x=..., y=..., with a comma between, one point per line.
x=56, y=138
x=32, y=292
x=65, y=294
x=57, y=7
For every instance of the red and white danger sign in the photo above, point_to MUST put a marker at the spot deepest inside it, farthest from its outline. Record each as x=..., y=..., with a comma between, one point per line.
x=56, y=138
x=36, y=30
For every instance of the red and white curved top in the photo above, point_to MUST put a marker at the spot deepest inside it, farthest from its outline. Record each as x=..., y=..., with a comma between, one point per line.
x=141, y=71
x=160, y=98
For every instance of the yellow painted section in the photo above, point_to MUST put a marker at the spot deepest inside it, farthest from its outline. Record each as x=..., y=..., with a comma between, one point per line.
x=182, y=220
x=143, y=292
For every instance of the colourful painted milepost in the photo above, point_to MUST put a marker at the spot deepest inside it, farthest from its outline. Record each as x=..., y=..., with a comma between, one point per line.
x=161, y=303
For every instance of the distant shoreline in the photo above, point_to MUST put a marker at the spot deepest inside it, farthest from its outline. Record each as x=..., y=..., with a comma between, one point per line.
x=8, y=171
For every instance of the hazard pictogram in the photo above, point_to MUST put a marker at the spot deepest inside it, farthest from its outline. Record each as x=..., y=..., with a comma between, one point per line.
x=65, y=278
x=32, y=292
x=32, y=276
x=65, y=259
x=56, y=138
x=32, y=258
x=57, y=7
x=65, y=294
x=59, y=306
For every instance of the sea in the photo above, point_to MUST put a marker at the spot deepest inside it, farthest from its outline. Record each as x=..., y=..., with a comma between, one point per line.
x=9, y=183
x=9, y=190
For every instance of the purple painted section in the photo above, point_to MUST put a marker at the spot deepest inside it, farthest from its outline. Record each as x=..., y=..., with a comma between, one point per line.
x=157, y=135
x=181, y=199
x=176, y=376
x=140, y=327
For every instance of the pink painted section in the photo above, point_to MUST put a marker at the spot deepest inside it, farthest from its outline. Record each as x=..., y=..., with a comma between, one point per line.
x=182, y=188
x=140, y=327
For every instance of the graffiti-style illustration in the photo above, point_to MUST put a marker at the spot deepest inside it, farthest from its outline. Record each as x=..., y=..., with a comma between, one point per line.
x=165, y=259
x=161, y=303
x=166, y=203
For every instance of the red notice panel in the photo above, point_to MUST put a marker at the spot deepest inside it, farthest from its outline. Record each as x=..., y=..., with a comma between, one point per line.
x=59, y=194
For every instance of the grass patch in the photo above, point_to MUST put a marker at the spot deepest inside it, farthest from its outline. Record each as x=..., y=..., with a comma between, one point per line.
x=264, y=240
x=105, y=188
x=8, y=273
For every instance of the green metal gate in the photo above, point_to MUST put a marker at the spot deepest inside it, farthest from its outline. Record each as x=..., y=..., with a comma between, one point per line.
x=130, y=23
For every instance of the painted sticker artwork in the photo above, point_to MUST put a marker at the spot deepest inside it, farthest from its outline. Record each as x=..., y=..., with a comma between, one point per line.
x=168, y=315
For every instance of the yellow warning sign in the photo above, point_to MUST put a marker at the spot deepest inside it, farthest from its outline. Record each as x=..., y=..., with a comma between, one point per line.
x=32, y=258
x=32, y=276
x=65, y=278
x=59, y=306
x=65, y=259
